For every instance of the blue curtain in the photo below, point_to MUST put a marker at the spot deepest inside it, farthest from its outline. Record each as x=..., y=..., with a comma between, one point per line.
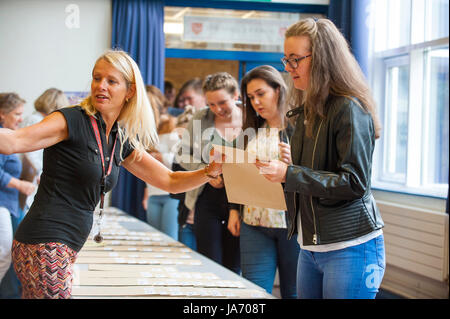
x=350, y=17
x=137, y=28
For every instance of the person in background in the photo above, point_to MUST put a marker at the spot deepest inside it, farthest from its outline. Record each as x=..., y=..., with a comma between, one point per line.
x=52, y=99
x=84, y=146
x=190, y=99
x=157, y=100
x=11, y=110
x=263, y=231
x=327, y=186
x=220, y=122
x=186, y=234
x=161, y=208
x=170, y=94
x=191, y=94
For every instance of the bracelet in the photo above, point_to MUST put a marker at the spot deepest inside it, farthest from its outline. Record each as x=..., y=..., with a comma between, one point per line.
x=207, y=174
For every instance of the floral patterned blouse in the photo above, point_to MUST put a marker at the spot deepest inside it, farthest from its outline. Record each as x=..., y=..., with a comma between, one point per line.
x=264, y=146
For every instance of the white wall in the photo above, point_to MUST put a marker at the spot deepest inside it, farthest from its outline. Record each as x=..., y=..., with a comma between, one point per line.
x=38, y=50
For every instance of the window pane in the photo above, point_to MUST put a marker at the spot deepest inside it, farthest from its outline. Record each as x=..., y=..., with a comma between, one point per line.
x=437, y=19
x=396, y=124
x=436, y=171
x=391, y=24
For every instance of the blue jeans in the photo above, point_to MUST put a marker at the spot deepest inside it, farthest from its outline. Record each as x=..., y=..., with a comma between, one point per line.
x=262, y=250
x=162, y=213
x=350, y=273
x=186, y=236
x=10, y=287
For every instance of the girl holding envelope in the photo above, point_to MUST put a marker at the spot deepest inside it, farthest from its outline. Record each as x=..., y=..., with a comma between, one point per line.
x=263, y=231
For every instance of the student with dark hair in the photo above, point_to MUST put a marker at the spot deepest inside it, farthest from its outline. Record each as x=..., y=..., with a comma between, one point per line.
x=263, y=231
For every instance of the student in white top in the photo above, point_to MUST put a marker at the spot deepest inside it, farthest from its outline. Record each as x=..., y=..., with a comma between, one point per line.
x=161, y=209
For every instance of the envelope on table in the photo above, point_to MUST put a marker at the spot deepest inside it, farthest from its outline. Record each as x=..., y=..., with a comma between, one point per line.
x=244, y=184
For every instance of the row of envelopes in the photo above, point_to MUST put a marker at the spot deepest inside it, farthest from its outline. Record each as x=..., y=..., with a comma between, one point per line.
x=133, y=264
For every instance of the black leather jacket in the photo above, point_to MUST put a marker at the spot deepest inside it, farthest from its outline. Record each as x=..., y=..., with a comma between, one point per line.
x=328, y=184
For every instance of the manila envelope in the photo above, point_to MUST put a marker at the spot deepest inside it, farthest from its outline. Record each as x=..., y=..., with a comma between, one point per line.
x=244, y=184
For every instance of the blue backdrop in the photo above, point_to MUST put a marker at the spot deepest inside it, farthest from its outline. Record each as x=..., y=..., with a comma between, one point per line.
x=350, y=17
x=137, y=28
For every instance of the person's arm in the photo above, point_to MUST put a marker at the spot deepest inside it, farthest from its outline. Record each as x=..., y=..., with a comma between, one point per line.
x=354, y=134
x=145, y=198
x=50, y=131
x=192, y=146
x=155, y=173
x=8, y=181
x=234, y=222
x=23, y=187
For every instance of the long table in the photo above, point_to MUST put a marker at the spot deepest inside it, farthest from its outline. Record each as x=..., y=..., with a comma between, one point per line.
x=137, y=261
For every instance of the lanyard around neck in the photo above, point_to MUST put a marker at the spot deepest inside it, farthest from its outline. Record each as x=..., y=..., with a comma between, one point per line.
x=105, y=172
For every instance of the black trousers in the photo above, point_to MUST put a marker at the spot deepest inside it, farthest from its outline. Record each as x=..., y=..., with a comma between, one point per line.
x=214, y=240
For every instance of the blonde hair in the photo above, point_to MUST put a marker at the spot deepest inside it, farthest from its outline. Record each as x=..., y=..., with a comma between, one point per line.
x=52, y=99
x=136, y=119
x=334, y=71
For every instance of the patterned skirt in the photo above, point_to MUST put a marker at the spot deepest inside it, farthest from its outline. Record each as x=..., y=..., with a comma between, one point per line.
x=44, y=270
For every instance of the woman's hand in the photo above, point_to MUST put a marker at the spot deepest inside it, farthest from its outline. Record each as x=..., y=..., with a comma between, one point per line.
x=273, y=170
x=214, y=168
x=234, y=223
x=285, y=153
x=217, y=182
x=25, y=187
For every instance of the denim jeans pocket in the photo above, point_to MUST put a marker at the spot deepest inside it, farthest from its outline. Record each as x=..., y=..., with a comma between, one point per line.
x=380, y=251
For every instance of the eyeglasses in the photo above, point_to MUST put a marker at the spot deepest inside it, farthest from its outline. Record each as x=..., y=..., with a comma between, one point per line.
x=293, y=62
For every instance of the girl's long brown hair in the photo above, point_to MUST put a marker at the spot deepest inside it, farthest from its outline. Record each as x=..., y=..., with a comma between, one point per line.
x=334, y=71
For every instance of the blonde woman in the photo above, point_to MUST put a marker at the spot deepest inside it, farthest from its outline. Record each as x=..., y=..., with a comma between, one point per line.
x=83, y=148
x=328, y=189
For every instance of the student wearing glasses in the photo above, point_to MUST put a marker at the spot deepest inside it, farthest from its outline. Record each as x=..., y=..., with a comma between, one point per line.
x=327, y=186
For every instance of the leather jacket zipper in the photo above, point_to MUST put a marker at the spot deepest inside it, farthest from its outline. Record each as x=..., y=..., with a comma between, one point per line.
x=314, y=239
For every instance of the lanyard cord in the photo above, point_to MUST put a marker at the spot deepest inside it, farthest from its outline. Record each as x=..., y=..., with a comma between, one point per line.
x=98, y=237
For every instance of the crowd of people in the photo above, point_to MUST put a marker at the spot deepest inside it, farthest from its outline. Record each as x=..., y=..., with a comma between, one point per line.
x=327, y=244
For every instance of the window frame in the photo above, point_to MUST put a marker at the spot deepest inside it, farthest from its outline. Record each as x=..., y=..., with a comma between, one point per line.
x=416, y=152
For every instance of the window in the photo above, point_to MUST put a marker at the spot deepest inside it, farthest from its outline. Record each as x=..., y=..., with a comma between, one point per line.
x=409, y=56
